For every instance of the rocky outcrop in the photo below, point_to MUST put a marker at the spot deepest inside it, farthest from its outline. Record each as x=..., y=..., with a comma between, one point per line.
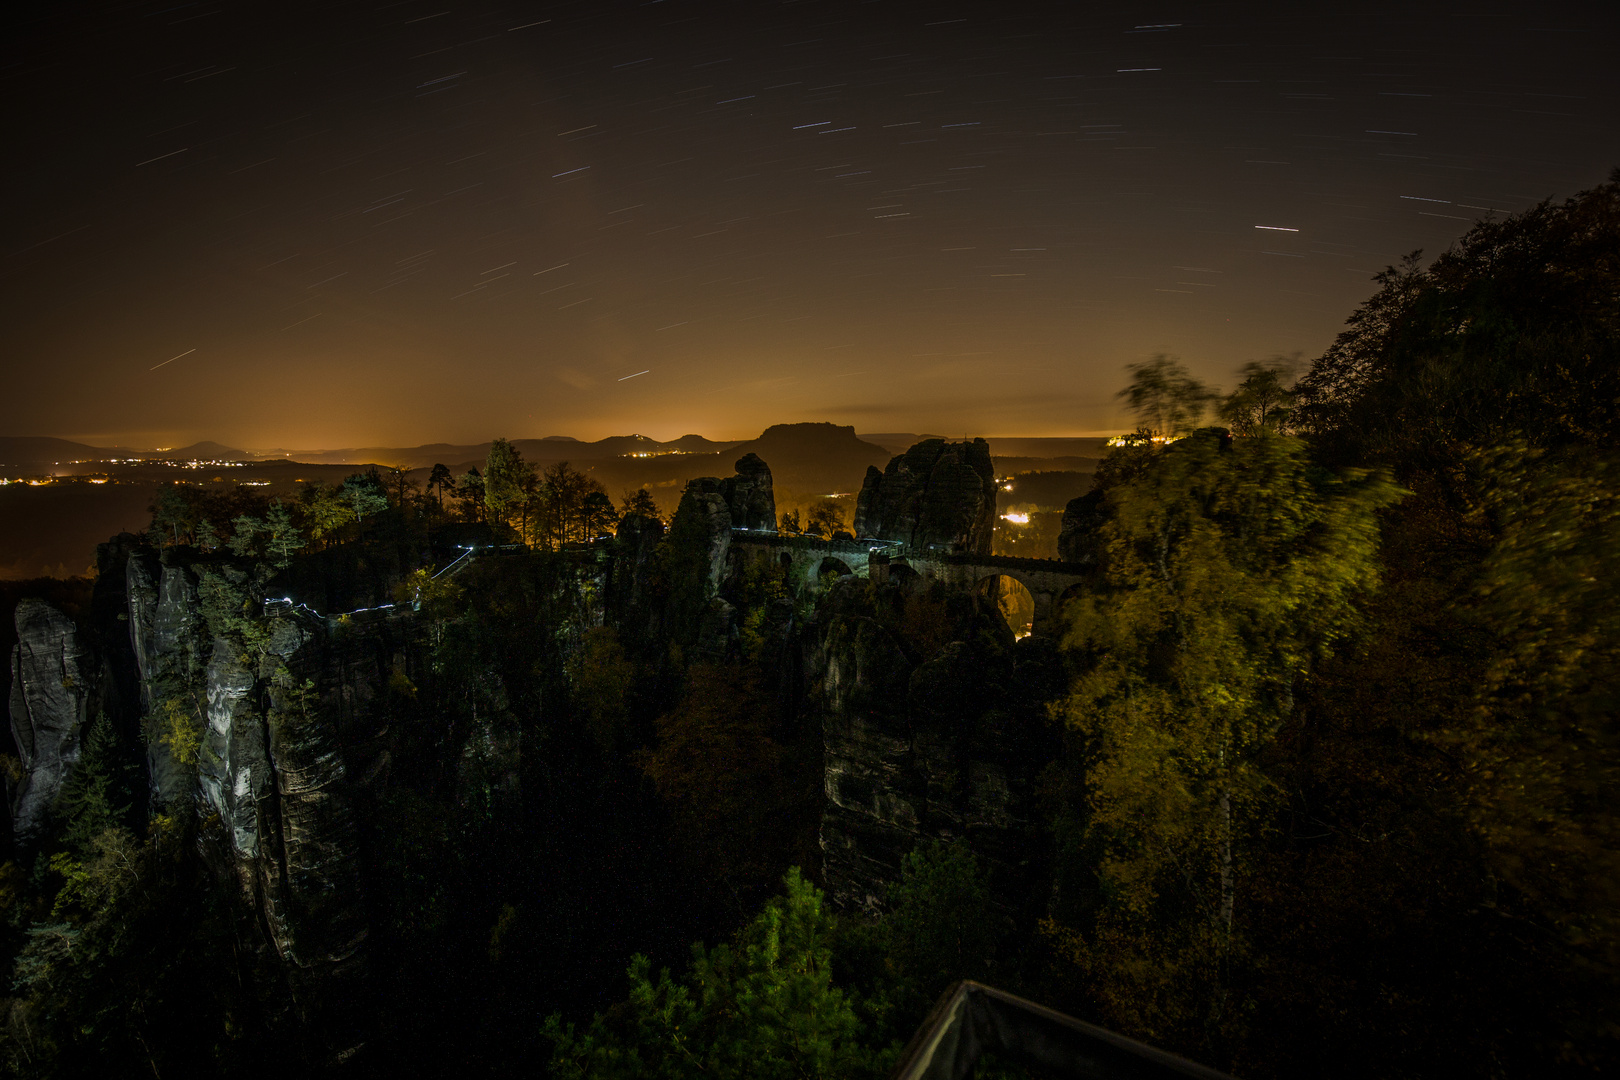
x=272, y=769
x=716, y=506
x=55, y=692
x=750, y=497
x=167, y=639
x=704, y=517
x=936, y=496
x=1080, y=540
x=921, y=747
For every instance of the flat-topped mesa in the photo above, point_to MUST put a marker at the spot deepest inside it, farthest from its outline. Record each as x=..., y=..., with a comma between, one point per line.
x=936, y=496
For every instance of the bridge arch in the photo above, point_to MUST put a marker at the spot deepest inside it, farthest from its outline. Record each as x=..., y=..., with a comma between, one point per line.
x=833, y=564
x=1013, y=599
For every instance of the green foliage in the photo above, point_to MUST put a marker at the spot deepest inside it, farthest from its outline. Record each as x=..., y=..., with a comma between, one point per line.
x=504, y=474
x=826, y=517
x=1542, y=747
x=764, y=581
x=1168, y=402
x=229, y=609
x=940, y=927
x=181, y=513
x=177, y=728
x=1509, y=334
x=366, y=495
x=764, y=1007
x=97, y=796
x=1263, y=401
x=99, y=880
x=326, y=510
x=282, y=539
x=742, y=788
x=245, y=533
x=1232, y=566
x=601, y=678
x=639, y=501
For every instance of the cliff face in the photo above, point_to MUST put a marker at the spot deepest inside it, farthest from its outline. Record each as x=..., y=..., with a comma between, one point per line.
x=1080, y=540
x=704, y=510
x=749, y=495
x=55, y=692
x=269, y=782
x=167, y=640
x=936, y=496
x=273, y=769
x=921, y=747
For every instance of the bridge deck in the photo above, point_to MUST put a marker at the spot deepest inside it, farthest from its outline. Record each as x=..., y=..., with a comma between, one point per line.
x=896, y=550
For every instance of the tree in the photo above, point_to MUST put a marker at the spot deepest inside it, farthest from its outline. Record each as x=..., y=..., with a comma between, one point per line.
x=504, y=472
x=940, y=926
x=741, y=790
x=438, y=600
x=245, y=534
x=174, y=513
x=1542, y=746
x=1262, y=401
x=826, y=518
x=763, y=1008
x=470, y=493
x=282, y=538
x=1508, y=335
x=366, y=495
x=99, y=793
x=326, y=510
x=790, y=523
x=596, y=514
x=1168, y=402
x=639, y=501
x=1232, y=566
x=440, y=481
x=601, y=676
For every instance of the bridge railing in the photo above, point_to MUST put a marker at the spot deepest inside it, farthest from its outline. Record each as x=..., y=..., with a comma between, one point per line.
x=860, y=545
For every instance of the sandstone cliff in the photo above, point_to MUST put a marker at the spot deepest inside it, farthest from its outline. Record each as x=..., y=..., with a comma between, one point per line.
x=55, y=692
x=936, y=496
x=922, y=744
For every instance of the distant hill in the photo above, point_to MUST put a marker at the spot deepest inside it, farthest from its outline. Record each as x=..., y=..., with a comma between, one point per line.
x=203, y=451
x=546, y=450
x=27, y=450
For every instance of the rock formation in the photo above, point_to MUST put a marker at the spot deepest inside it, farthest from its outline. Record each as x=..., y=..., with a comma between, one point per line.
x=1079, y=541
x=749, y=495
x=936, y=496
x=55, y=684
x=704, y=509
x=716, y=506
x=922, y=747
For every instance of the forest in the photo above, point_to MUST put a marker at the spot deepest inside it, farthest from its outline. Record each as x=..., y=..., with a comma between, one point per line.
x=1316, y=778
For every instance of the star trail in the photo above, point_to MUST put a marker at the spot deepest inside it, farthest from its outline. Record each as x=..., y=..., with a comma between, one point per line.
x=396, y=223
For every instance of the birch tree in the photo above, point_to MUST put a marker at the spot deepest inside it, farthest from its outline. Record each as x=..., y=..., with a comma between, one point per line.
x=1232, y=566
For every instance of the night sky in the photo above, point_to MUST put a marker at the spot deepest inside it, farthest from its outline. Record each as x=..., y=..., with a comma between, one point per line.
x=338, y=224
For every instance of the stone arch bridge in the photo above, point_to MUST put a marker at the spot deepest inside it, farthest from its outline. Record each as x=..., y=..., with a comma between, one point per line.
x=1050, y=582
